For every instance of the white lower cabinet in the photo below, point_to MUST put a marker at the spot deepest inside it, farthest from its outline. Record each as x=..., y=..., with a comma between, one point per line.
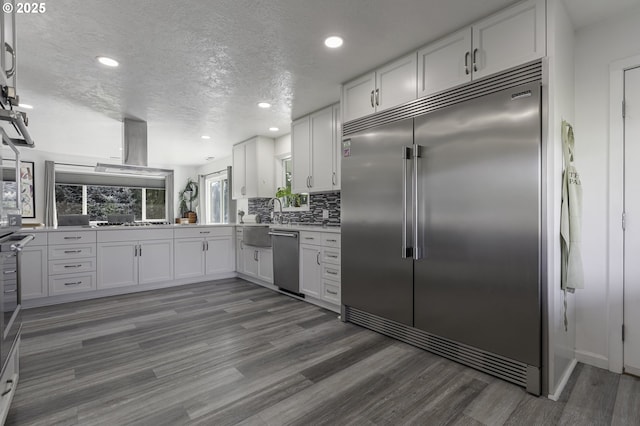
x=239, y=253
x=128, y=258
x=206, y=251
x=257, y=262
x=310, y=270
x=320, y=266
x=71, y=262
x=33, y=269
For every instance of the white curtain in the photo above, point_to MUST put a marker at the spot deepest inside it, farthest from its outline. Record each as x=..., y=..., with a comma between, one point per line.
x=169, y=194
x=50, y=216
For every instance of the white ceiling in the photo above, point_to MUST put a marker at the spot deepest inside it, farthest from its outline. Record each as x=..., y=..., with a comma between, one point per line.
x=199, y=67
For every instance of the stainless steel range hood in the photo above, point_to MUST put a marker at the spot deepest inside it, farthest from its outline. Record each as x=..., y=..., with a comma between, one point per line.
x=134, y=151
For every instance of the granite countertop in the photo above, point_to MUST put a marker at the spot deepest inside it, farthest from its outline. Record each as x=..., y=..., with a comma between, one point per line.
x=117, y=228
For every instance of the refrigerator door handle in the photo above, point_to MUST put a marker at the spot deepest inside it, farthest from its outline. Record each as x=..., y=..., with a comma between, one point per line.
x=406, y=157
x=417, y=252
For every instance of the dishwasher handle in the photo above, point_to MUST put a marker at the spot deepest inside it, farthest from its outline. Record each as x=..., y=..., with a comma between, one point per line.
x=284, y=234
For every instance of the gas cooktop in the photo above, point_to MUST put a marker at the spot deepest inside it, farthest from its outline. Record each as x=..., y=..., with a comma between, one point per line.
x=138, y=224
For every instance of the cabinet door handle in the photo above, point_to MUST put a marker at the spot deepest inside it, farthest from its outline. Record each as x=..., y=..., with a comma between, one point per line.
x=372, y=104
x=8, y=391
x=335, y=293
x=377, y=96
x=72, y=266
x=73, y=251
x=203, y=249
x=140, y=251
x=310, y=181
x=11, y=71
x=206, y=243
x=75, y=283
x=475, y=59
x=72, y=238
x=333, y=178
x=466, y=62
x=241, y=245
x=318, y=258
x=255, y=255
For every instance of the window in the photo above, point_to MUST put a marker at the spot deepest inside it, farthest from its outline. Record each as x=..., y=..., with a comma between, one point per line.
x=98, y=194
x=290, y=201
x=98, y=201
x=216, y=198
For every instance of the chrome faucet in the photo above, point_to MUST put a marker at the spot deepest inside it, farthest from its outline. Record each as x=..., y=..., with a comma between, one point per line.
x=271, y=204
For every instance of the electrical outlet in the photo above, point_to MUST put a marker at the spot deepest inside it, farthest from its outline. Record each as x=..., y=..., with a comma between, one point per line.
x=325, y=214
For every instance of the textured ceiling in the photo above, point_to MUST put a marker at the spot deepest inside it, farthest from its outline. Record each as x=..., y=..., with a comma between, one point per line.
x=199, y=67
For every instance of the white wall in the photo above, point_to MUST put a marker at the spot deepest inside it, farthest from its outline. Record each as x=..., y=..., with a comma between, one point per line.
x=560, y=47
x=597, y=46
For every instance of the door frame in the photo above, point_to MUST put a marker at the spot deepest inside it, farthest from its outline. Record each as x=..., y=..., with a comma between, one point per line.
x=615, y=259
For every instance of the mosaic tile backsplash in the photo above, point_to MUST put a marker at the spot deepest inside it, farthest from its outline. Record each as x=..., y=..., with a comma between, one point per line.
x=328, y=200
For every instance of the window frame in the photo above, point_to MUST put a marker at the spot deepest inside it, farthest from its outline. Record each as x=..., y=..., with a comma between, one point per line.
x=282, y=183
x=208, y=180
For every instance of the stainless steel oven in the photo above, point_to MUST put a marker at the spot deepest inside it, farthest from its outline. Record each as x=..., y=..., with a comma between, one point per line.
x=10, y=312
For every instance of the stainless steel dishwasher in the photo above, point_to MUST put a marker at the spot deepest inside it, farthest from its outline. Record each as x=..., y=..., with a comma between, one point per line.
x=286, y=260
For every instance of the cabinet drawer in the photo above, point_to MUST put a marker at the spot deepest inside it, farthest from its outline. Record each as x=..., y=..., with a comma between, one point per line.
x=199, y=231
x=331, y=291
x=39, y=238
x=57, y=267
x=72, y=237
x=72, y=252
x=331, y=272
x=72, y=283
x=331, y=255
x=313, y=238
x=331, y=240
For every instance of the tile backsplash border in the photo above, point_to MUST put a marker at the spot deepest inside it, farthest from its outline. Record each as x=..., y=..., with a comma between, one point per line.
x=317, y=202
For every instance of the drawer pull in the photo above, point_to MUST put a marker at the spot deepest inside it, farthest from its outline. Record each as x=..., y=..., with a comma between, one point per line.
x=13, y=271
x=76, y=283
x=73, y=266
x=8, y=391
x=335, y=293
x=309, y=238
x=10, y=291
x=72, y=238
x=332, y=256
x=73, y=251
x=332, y=273
x=333, y=241
x=205, y=232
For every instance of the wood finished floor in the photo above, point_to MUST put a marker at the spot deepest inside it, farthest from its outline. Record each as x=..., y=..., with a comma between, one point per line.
x=230, y=352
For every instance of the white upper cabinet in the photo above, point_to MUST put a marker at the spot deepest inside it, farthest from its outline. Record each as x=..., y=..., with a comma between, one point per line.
x=390, y=85
x=315, y=142
x=253, y=168
x=396, y=83
x=445, y=63
x=358, y=97
x=509, y=38
x=239, y=181
x=300, y=154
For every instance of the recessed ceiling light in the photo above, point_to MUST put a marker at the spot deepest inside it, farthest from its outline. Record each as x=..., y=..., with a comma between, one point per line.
x=107, y=61
x=205, y=137
x=333, y=42
x=273, y=129
x=264, y=104
x=25, y=106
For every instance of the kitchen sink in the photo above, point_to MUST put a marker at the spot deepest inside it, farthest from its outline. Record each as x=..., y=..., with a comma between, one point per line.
x=257, y=236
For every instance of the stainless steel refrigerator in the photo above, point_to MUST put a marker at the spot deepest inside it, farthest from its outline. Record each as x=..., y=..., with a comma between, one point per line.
x=441, y=226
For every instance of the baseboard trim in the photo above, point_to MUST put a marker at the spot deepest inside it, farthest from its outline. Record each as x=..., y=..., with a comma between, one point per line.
x=593, y=359
x=563, y=382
